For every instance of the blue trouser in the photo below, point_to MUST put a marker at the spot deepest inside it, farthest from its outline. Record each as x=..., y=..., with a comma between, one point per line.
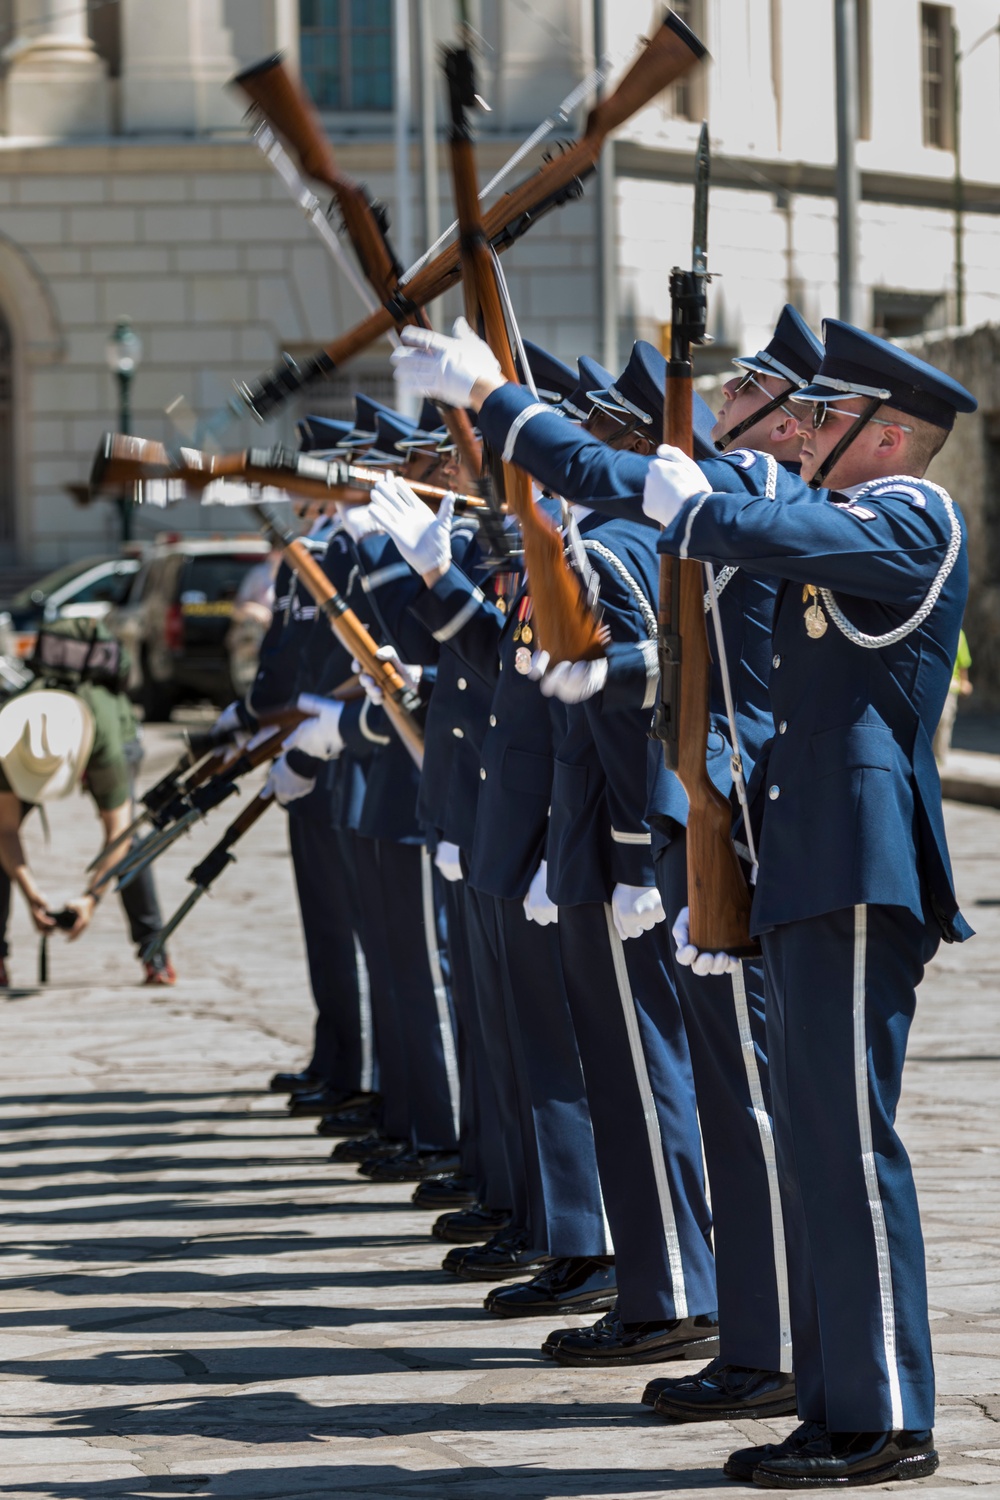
x=480, y=1141
x=724, y=1022
x=342, y=1049
x=501, y=1044
x=567, y=1211
x=840, y=1000
x=638, y=1072
x=414, y=1031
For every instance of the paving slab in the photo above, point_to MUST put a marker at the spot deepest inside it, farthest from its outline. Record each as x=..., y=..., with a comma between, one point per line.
x=195, y=1301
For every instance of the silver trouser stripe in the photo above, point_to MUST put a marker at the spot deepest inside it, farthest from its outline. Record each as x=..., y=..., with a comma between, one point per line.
x=619, y=837
x=454, y=625
x=766, y=1133
x=389, y=574
x=369, y=734
x=871, y=1171
x=364, y=1018
x=515, y=427
x=651, y=1118
x=437, y=979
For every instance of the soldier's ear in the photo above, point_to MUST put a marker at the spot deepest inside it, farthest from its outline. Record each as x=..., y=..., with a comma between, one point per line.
x=643, y=446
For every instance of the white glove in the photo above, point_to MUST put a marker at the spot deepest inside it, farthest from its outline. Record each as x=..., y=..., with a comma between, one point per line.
x=287, y=785
x=422, y=537
x=319, y=735
x=574, y=681
x=537, y=906
x=358, y=521
x=691, y=957
x=448, y=861
x=444, y=368
x=229, y=721
x=636, y=909
x=671, y=481
x=410, y=674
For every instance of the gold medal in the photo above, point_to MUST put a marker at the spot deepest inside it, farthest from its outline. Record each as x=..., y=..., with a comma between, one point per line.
x=502, y=605
x=815, y=619
x=517, y=632
x=522, y=660
x=527, y=634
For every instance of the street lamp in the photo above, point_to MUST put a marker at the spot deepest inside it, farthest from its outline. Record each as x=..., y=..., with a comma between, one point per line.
x=123, y=351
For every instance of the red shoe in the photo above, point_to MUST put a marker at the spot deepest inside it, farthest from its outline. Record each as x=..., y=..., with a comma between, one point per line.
x=162, y=973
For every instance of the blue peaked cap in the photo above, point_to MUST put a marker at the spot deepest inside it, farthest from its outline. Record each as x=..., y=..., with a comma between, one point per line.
x=591, y=377
x=793, y=352
x=391, y=427
x=856, y=363
x=552, y=376
x=320, y=434
x=640, y=392
x=366, y=412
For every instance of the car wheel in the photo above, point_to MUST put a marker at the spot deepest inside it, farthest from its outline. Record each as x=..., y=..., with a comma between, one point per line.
x=155, y=698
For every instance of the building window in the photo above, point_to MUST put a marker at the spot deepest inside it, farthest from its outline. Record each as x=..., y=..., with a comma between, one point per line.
x=346, y=53
x=687, y=96
x=903, y=315
x=937, y=71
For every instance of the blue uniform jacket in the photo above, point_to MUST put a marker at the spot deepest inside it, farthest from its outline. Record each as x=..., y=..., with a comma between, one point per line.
x=598, y=835
x=515, y=772
x=846, y=792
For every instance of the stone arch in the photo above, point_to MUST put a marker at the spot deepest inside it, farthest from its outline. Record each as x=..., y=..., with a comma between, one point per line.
x=31, y=337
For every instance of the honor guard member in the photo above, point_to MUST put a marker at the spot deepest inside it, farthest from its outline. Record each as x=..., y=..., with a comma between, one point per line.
x=414, y=1030
x=724, y=1018
x=73, y=726
x=854, y=891
x=340, y=1073
x=557, y=1208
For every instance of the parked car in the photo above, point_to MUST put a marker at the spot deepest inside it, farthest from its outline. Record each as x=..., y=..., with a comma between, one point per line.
x=176, y=619
x=81, y=590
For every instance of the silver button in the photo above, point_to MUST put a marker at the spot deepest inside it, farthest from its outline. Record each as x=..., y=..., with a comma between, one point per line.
x=774, y=792
x=500, y=666
x=458, y=733
x=493, y=721
x=482, y=773
x=775, y=661
x=782, y=726
x=462, y=684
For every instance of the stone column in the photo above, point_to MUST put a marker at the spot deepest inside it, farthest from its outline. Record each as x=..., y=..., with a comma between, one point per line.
x=55, y=83
x=177, y=58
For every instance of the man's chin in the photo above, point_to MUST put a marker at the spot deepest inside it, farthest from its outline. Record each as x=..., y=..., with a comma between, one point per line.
x=809, y=464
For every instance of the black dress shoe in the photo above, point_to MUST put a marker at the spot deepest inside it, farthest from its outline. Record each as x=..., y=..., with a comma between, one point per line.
x=842, y=1458
x=444, y=1191
x=502, y=1257
x=744, y=1463
x=367, y=1148
x=323, y=1101
x=470, y=1226
x=293, y=1083
x=408, y=1166
x=353, y=1120
x=723, y=1393
x=572, y=1284
x=612, y=1342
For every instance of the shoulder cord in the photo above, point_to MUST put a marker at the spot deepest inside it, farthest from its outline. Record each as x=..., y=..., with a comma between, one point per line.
x=648, y=617
x=715, y=588
x=891, y=637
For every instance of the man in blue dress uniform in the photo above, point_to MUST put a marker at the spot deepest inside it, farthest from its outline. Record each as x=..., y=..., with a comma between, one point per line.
x=855, y=890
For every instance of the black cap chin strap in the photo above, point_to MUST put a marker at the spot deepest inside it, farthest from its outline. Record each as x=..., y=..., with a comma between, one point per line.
x=722, y=443
x=818, y=481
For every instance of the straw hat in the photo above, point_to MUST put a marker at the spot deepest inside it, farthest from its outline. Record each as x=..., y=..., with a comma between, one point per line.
x=45, y=744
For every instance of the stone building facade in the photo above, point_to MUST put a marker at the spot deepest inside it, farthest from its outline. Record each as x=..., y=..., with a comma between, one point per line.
x=129, y=188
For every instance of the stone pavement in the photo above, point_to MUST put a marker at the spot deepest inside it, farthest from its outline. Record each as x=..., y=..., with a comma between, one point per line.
x=194, y=1301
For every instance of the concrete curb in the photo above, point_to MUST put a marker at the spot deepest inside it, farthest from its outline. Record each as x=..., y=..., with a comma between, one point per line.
x=966, y=789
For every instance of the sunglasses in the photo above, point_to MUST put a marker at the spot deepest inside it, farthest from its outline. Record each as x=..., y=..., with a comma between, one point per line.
x=750, y=379
x=823, y=409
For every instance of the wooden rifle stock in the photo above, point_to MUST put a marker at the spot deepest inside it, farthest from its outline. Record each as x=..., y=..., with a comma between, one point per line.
x=666, y=56
x=567, y=629
x=123, y=460
x=279, y=96
x=399, y=701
